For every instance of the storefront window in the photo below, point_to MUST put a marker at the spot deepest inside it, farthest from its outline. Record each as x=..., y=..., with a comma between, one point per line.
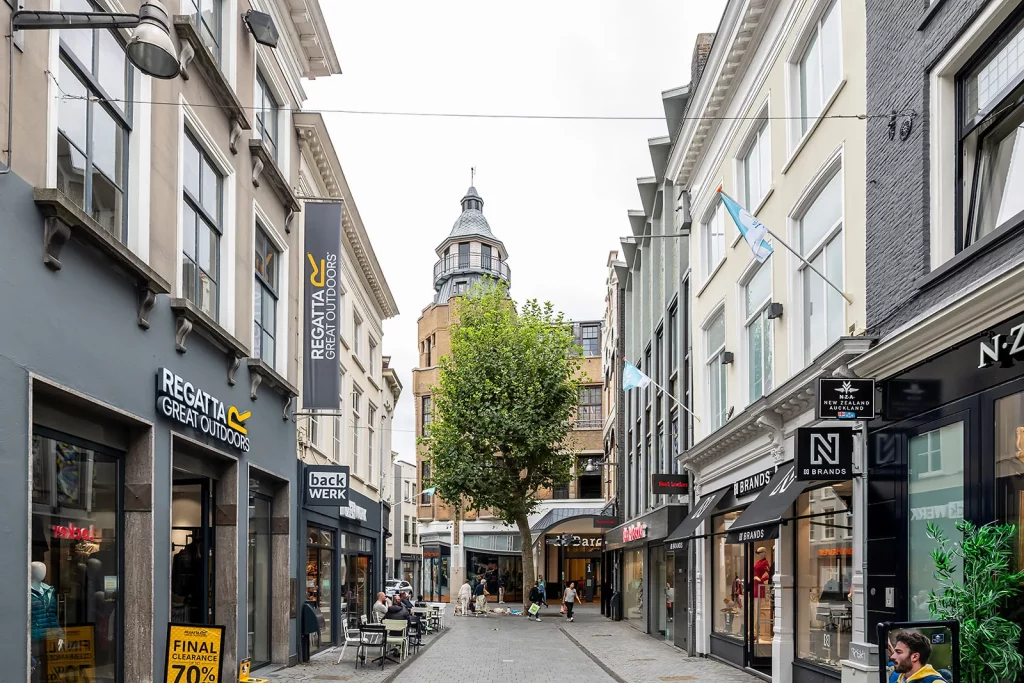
x=660, y=575
x=259, y=581
x=435, y=575
x=319, y=580
x=728, y=566
x=633, y=587
x=492, y=568
x=936, y=494
x=75, y=592
x=1009, y=414
x=824, y=538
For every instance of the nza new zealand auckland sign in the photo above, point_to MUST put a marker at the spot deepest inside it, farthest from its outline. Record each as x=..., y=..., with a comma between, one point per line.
x=321, y=369
x=186, y=403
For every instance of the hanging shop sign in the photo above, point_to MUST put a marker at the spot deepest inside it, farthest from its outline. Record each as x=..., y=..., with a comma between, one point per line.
x=669, y=484
x=186, y=403
x=605, y=522
x=754, y=482
x=326, y=485
x=194, y=653
x=846, y=399
x=321, y=357
x=634, y=532
x=824, y=453
x=71, y=653
x=1002, y=348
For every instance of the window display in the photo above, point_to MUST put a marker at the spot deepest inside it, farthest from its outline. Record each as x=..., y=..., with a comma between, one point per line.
x=75, y=589
x=435, y=574
x=936, y=494
x=661, y=613
x=258, y=570
x=319, y=578
x=633, y=587
x=824, y=537
x=729, y=572
x=507, y=568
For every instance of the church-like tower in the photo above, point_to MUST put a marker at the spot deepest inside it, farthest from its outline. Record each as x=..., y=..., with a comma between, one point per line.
x=470, y=253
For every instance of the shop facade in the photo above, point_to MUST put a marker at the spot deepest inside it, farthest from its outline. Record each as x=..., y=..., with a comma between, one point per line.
x=644, y=584
x=340, y=572
x=159, y=468
x=775, y=555
x=947, y=446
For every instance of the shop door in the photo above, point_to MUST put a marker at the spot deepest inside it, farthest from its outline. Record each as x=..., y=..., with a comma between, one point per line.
x=760, y=604
x=680, y=601
x=192, y=551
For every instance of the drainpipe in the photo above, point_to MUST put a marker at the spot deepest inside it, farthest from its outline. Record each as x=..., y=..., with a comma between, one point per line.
x=10, y=96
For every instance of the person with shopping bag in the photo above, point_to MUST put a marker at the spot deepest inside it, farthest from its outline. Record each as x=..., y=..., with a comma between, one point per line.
x=534, y=611
x=569, y=600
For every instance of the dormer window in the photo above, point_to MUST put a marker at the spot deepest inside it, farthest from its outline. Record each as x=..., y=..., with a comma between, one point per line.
x=464, y=255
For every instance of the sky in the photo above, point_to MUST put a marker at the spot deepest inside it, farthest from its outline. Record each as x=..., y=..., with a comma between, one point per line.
x=555, y=192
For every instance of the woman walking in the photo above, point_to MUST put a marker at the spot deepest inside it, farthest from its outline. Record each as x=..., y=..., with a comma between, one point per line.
x=569, y=599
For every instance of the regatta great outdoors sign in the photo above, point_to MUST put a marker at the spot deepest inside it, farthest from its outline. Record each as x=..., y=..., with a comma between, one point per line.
x=321, y=357
x=186, y=403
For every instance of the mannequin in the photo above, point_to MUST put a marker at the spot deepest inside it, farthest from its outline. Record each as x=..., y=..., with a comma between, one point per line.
x=44, y=604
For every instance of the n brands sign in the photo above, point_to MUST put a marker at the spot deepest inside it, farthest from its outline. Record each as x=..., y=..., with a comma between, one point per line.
x=321, y=369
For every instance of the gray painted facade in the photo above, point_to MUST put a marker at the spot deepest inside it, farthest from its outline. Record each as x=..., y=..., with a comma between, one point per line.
x=904, y=39
x=73, y=357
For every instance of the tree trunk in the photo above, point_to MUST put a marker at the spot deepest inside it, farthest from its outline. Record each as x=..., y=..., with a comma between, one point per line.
x=528, y=573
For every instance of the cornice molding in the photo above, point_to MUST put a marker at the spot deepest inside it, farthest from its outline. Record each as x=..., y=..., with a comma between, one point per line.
x=313, y=138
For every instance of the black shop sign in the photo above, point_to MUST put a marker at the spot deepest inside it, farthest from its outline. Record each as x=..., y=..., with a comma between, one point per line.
x=668, y=484
x=846, y=399
x=326, y=486
x=754, y=482
x=824, y=453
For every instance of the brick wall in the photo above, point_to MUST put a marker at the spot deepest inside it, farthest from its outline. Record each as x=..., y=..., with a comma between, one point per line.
x=701, y=50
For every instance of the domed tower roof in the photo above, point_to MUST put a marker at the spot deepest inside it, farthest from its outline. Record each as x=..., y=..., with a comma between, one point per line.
x=458, y=270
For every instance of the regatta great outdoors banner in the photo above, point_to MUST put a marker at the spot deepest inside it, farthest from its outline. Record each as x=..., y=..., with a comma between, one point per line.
x=321, y=363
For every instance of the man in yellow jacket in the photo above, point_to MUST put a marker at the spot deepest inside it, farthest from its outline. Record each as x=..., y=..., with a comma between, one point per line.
x=910, y=655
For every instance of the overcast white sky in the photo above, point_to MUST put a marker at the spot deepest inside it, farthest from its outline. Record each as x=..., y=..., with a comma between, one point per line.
x=555, y=192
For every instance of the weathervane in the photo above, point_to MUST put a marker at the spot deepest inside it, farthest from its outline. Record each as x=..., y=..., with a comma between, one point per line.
x=472, y=175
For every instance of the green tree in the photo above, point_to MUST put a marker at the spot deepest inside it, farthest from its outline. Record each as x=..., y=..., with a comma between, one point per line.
x=988, y=641
x=504, y=406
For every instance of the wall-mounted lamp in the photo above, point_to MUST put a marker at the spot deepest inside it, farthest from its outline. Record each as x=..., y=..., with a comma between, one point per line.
x=261, y=26
x=727, y=357
x=774, y=311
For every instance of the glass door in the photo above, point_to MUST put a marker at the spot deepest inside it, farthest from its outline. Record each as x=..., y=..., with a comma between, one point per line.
x=192, y=549
x=258, y=569
x=761, y=603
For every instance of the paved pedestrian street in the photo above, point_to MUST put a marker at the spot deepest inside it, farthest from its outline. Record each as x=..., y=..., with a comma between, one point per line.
x=504, y=649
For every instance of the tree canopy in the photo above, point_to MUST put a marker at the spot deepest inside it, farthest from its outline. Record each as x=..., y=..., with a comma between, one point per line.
x=504, y=405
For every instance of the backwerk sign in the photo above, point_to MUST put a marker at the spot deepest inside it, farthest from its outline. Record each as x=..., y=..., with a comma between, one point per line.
x=186, y=403
x=321, y=357
x=326, y=486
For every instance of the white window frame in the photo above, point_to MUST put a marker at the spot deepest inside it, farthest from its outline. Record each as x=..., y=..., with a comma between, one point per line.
x=373, y=347
x=833, y=165
x=716, y=212
x=357, y=396
x=357, y=334
x=339, y=433
x=746, y=321
x=809, y=31
x=371, y=434
x=281, y=327
x=189, y=120
x=758, y=137
x=942, y=129
x=284, y=112
x=713, y=364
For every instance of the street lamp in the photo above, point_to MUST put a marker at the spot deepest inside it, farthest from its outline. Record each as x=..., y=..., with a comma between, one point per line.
x=150, y=48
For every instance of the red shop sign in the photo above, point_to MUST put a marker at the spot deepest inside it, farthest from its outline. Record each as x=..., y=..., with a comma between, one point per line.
x=634, y=532
x=74, y=532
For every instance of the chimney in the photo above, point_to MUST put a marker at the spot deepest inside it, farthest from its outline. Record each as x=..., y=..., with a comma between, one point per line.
x=701, y=50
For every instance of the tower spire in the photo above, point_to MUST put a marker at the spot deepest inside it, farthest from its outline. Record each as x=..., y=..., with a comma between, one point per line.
x=472, y=176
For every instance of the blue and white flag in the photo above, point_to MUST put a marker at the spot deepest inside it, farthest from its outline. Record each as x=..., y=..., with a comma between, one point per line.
x=632, y=378
x=428, y=492
x=753, y=230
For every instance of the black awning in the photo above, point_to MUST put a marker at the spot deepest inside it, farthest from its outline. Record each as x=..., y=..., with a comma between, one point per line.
x=761, y=519
x=701, y=511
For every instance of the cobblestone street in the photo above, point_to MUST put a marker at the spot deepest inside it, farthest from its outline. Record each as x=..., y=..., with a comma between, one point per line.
x=498, y=649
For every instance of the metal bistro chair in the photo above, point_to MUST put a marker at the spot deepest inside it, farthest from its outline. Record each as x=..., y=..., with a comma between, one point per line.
x=353, y=636
x=396, y=631
x=417, y=625
x=370, y=635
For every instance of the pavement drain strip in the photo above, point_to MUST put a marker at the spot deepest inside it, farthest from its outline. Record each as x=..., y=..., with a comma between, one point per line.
x=604, y=667
x=601, y=635
x=678, y=678
x=331, y=677
x=645, y=659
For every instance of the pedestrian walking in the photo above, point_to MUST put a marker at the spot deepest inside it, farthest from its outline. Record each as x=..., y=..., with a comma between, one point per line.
x=480, y=592
x=501, y=590
x=465, y=592
x=569, y=599
x=534, y=611
x=542, y=587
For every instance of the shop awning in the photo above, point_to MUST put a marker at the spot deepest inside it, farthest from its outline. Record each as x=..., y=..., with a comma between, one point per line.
x=760, y=521
x=701, y=511
x=559, y=515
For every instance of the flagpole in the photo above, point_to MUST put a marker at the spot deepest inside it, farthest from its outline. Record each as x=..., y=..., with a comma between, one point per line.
x=808, y=264
x=667, y=392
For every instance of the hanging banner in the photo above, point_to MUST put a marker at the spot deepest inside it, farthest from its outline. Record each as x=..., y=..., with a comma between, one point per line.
x=194, y=653
x=321, y=360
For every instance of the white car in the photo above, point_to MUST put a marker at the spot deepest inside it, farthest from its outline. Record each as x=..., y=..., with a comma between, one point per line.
x=394, y=586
